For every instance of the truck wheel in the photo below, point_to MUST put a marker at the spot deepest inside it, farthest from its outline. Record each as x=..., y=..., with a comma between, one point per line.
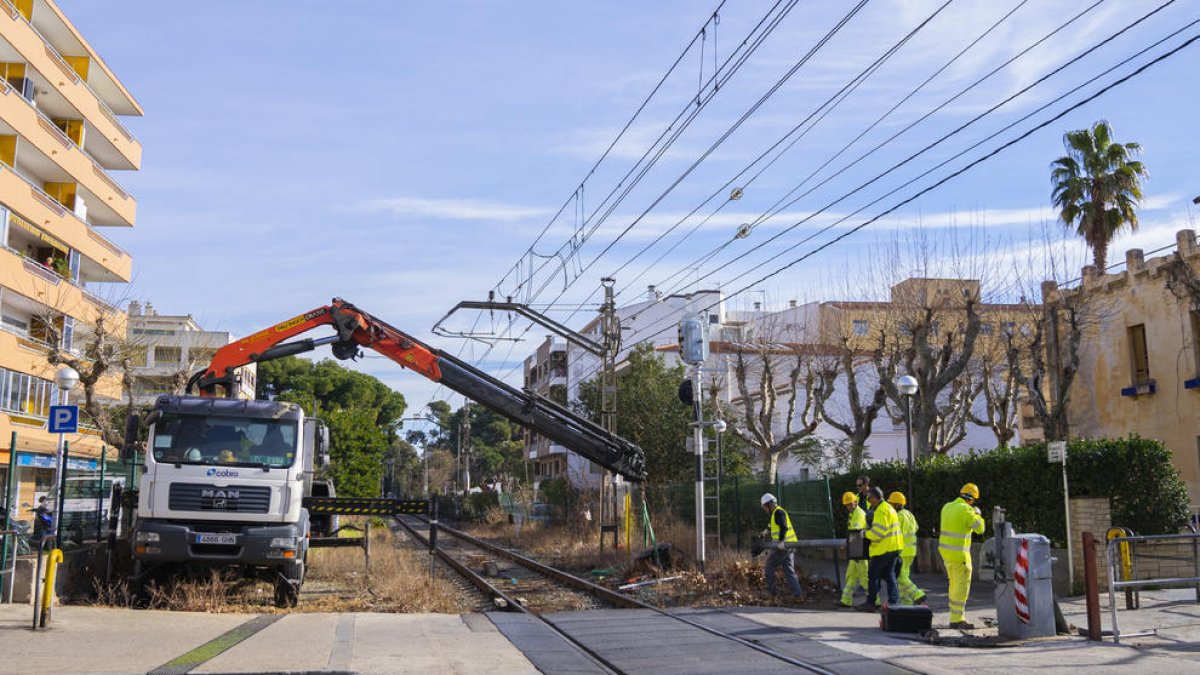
x=287, y=584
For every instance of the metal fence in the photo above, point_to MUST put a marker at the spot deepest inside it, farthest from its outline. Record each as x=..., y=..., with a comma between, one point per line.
x=1122, y=556
x=807, y=502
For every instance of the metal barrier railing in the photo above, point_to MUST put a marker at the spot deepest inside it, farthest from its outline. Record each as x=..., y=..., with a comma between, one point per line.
x=8, y=540
x=1113, y=559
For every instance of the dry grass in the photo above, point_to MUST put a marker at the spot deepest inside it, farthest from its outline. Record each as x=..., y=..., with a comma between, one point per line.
x=399, y=581
x=336, y=581
x=731, y=577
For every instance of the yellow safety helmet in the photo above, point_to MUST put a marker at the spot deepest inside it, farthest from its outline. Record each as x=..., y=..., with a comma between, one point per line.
x=849, y=498
x=970, y=490
x=897, y=498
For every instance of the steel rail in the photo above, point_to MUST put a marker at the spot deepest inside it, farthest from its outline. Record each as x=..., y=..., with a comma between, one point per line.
x=510, y=604
x=623, y=600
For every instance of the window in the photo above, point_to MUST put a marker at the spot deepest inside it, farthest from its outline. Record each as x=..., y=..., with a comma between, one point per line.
x=861, y=327
x=201, y=354
x=25, y=394
x=165, y=355
x=138, y=356
x=985, y=329
x=1139, y=358
x=1009, y=328
x=933, y=329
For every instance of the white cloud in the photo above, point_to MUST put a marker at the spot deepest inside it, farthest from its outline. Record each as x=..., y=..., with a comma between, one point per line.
x=455, y=209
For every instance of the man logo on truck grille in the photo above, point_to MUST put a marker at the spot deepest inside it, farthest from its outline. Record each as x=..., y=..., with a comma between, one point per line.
x=220, y=499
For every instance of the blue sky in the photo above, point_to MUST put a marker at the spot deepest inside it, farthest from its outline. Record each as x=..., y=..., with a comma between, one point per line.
x=405, y=155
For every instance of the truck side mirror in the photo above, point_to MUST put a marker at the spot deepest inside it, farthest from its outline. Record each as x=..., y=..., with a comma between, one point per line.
x=132, y=428
x=323, y=446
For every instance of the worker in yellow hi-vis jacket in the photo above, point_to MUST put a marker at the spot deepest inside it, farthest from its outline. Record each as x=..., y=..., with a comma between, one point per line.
x=910, y=593
x=960, y=519
x=856, y=570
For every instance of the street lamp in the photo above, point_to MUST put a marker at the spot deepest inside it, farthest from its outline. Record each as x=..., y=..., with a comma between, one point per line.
x=66, y=378
x=907, y=386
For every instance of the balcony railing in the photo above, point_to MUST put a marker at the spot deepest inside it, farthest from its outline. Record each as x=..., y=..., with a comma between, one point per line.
x=70, y=72
x=60, y=210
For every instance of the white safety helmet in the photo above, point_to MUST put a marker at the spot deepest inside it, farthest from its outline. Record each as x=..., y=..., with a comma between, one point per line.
x=767, y=498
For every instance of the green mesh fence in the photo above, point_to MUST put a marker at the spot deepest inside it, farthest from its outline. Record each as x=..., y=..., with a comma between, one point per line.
x=807, y=502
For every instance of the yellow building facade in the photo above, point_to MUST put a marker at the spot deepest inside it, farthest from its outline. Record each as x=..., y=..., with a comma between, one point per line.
x=60, y=143
x=1139, y=365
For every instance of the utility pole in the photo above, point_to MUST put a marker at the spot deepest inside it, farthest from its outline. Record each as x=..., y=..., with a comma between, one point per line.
x=467, y=448
x=610, y=333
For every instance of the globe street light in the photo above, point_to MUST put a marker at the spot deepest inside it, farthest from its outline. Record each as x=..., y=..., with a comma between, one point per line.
x=66, y=378
x=907, y=386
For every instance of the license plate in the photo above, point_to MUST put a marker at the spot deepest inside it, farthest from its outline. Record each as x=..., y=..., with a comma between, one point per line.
x=216, y=538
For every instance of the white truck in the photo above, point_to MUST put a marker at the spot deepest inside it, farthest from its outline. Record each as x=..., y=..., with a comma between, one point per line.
x=223, y=484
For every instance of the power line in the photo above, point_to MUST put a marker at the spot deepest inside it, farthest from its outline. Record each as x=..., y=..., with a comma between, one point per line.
x=946, y=136
x=987, y=156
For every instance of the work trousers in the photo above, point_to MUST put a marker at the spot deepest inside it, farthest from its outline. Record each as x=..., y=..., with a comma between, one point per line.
x=909, y=591
x=786, y=560
x=960, y=587
x=856, y=577
x=882, y=570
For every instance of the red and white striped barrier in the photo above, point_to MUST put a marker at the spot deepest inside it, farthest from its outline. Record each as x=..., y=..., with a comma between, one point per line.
x=1022, y=568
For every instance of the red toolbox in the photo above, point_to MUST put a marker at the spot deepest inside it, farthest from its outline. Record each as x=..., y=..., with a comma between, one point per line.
x=905, y=618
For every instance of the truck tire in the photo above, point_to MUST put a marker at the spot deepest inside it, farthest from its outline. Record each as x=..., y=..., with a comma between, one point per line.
x=287, y=584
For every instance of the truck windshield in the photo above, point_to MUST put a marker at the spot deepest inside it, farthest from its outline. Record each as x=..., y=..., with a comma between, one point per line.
x=230, y=441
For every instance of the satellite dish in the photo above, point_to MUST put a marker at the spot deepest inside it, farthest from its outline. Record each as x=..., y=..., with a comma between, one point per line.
x=743, y=231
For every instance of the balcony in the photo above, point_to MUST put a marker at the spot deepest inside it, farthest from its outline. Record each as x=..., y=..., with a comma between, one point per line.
x=45, y=287
x=38, y=52
x=44, y=223
x=43, y=150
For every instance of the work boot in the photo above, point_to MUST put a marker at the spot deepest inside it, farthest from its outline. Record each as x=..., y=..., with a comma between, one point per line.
x=865, y=607
x=962, y=625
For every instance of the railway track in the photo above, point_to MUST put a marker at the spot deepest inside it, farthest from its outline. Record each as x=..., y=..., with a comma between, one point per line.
x=457, y=552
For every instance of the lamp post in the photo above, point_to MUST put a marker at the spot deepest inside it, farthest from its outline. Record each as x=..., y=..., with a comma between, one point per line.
x=907, y=386
x=66, y=378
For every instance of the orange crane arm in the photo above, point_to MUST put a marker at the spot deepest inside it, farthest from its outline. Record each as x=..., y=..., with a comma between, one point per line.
x=355, y=328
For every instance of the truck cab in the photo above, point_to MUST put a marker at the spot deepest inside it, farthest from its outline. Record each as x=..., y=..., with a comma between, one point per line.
x=223, y=484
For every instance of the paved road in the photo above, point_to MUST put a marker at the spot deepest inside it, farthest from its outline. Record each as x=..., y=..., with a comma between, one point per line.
x=96, y=640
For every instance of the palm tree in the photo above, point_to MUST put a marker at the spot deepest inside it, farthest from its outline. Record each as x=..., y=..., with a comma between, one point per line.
x=1097, y=186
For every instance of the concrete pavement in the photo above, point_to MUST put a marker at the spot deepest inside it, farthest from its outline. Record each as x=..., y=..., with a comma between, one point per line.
x=101, y=640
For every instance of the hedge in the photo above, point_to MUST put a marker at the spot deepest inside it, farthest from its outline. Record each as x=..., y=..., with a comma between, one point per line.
x=1146, y=492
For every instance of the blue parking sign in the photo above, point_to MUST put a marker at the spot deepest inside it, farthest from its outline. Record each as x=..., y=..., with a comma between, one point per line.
x=64, y=419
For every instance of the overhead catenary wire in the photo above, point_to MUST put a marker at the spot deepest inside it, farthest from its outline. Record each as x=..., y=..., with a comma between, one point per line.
x=780, y=82
x=754, y=39
x=777, y=208
x=979, y=160
x=945, y=137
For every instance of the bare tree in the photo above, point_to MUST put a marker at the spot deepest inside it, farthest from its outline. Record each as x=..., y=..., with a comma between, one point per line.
x=937, y=356
x=1001, y=393
x=1046, y=365
x=863, y=404
x=100, y=352
x=764, y=372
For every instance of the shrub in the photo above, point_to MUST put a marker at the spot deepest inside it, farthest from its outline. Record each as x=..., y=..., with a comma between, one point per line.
x=1146, y=491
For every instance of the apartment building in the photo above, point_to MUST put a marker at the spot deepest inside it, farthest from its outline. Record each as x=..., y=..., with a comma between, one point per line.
x=60, y=144
x=1139, y=359
x=546, y=376
x=169, y=348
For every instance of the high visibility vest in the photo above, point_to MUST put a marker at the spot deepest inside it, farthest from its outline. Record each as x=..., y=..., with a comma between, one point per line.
x=789, y=534
x=884, y=533
x=858, y=519
x=908, y=528
x=959, y=520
